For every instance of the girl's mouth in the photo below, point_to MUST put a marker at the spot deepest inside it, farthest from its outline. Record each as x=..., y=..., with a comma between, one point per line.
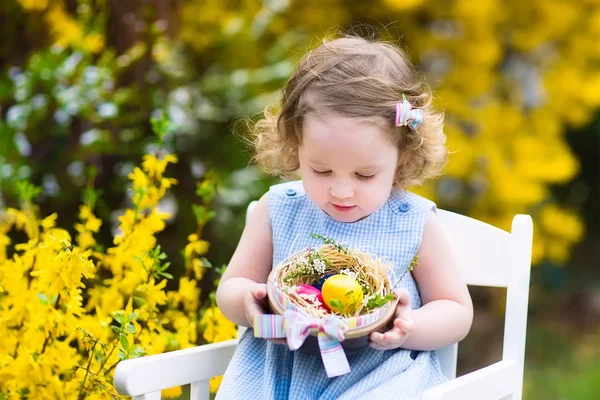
x=343, y=208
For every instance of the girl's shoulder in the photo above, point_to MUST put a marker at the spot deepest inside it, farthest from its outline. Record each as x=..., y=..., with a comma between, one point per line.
x=404, y=202
x=287, y=191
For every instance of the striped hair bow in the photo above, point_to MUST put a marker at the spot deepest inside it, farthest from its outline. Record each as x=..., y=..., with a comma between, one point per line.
x=406, y=115
x=296, y=327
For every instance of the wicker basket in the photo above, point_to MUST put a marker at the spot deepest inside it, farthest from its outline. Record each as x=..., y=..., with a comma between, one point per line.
x=358, y=326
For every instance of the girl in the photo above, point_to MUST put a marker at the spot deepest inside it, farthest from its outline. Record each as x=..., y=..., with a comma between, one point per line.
x=358, y=125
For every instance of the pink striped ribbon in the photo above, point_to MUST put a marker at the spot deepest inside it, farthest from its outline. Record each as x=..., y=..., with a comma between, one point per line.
x=296, y=327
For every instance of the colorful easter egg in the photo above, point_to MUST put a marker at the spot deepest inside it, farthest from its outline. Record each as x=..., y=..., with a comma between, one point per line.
x=311, y=295
x=342, y=293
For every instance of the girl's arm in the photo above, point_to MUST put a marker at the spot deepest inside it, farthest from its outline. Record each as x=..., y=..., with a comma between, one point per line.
x=447, y=311
x=249, y=267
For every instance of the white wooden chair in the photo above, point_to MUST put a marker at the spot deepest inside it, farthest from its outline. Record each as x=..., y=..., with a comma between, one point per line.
x=488, y=256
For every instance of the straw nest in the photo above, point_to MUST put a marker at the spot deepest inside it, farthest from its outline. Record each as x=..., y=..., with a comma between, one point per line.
x=312, y=266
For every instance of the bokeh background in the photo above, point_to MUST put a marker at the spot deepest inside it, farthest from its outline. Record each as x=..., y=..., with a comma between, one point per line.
x=519, y=80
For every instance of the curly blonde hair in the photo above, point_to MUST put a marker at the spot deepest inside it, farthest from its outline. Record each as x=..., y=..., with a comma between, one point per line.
x=360, y=79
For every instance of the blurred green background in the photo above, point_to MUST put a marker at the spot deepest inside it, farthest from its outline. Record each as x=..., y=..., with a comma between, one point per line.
x=520, y=83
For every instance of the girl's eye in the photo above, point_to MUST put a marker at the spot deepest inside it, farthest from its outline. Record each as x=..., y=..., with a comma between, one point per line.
x=321, y=173
x=365, y=177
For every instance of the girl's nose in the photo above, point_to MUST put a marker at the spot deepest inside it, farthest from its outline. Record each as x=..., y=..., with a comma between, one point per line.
x=342, y=190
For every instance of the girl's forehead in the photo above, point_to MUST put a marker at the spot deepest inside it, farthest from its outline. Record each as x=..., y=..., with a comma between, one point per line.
x=327, y=136
x=330, y=128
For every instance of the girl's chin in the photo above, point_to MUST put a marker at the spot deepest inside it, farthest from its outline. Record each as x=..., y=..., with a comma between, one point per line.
x=347, y=217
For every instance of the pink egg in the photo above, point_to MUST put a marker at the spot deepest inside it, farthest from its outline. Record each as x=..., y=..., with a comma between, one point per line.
x=311, y=294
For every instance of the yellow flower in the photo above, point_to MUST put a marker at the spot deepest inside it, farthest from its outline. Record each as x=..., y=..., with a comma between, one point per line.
x=4, y=242
x=152, y=294
x=216, y=327
x=198, y=268
x=403, y=5
x=25, y=221
x=94, y=43
x=171, y=393
x=34, y=4
x=215, y=383
x=45, y=299
x=155, y=167
x=65, y=29
x=561, y=223
x=49, y=222
x=189, y=294
x=196, y=248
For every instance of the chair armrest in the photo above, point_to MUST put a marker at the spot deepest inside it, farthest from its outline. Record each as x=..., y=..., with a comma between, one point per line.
x=492, y=382
x=162, y=371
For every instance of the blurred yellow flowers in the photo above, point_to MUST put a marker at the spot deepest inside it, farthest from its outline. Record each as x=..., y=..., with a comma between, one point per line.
x=70, y=311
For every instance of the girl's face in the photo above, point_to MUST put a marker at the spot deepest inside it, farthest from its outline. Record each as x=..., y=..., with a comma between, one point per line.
x=347, y=167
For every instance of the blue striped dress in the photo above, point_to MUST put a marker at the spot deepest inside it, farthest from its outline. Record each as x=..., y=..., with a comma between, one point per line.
x=262, y=370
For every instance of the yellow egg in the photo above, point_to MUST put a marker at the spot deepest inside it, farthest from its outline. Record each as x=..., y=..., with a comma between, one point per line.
x=342, y=294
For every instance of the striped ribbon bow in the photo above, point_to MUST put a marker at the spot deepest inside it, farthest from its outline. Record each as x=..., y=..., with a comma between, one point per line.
x=295, y=327
x=406, y=115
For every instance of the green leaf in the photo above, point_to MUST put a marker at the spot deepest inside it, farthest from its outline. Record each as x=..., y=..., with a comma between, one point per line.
x=205, y=262
x=335, y=304
x=139, y=301
x=202, y=213
x=166, y=275
x=162, y=126
x=26, y=190
x=124, y=341
x=335, y=244
x=379, y=301
x=119, y=316
x=43, y=298
x=207, y=189
x=91, y=195
x=136, y=352
x=130, y=328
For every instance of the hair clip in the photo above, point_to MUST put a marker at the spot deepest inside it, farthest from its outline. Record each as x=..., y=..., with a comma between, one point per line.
x=406, y=115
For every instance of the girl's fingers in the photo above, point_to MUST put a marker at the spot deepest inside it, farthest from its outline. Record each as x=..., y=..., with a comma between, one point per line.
x=255, y=303
x=403, y=308
x=251, y=308
x=405, y=325
x=403, y=297
x=260, y=292
x=378, y=346
x=387, y=340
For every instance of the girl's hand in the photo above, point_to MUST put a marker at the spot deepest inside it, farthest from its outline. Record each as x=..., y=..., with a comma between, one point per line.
x=402, y=327
x=256, y=303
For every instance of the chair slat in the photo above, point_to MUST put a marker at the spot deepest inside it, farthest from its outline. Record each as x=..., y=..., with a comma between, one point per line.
x=161, y=371
x=493, y=382
x=482, y=250
x=200, y=390
x=148, y=396
x=448, y=357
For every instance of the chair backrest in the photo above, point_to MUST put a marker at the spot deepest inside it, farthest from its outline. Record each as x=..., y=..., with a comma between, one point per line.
x=488, y=256
x=492, y=257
